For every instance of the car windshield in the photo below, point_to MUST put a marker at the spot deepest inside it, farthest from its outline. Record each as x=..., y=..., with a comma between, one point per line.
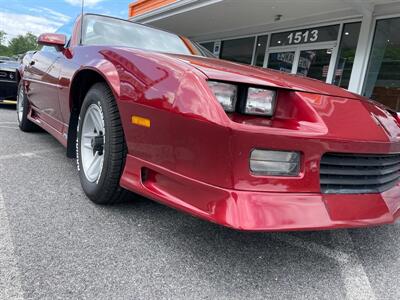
x=101, y=30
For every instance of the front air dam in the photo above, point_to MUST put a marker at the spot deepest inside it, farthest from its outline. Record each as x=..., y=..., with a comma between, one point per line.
x=260, y=211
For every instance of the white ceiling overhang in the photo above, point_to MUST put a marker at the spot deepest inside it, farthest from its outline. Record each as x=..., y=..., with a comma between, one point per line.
x=209, y=19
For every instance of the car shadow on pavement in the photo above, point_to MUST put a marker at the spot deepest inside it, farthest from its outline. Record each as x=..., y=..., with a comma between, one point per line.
x=184, y=227
x=6, y=106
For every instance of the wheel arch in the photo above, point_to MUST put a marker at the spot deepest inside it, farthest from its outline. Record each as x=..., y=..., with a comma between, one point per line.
x=81, y=83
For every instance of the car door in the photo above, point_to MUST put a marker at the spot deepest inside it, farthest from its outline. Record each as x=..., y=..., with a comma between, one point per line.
x=42, y=77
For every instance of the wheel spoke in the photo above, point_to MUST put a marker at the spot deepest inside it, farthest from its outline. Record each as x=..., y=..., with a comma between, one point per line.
x=89, y=135
x=96, y=121
x=94, y=165
x=87, y=145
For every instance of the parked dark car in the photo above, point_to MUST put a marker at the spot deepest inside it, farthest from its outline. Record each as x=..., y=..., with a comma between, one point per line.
x=8, y=78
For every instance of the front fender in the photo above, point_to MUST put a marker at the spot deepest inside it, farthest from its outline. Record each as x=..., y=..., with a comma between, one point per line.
x=106, y=70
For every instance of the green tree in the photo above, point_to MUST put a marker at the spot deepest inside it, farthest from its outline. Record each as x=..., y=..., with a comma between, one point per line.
x=23, y=43
x=2, y=37
x=4, y=51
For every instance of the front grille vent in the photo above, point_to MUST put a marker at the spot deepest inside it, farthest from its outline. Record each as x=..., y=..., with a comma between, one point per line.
x=10, y=76
x=358, y=173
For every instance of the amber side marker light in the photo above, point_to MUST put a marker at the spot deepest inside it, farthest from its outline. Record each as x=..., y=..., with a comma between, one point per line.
x=141, y=121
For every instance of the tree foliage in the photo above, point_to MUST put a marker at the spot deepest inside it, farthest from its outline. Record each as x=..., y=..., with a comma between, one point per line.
x=17, y=45
x=2, y=37
x=4, y=51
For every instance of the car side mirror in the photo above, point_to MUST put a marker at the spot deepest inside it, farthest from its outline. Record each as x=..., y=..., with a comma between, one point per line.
x=53, y=40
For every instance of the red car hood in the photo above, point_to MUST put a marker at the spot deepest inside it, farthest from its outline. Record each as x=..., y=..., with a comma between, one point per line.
x=228, y=71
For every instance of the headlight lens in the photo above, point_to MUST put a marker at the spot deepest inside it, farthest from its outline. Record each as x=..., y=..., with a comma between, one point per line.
x=260, y=102
x=225, y=93
x=275, y=163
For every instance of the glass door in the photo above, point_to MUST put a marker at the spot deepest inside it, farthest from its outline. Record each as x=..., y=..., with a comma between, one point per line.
x=314, y=60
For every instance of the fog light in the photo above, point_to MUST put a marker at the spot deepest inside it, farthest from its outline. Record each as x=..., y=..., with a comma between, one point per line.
x=275, y=163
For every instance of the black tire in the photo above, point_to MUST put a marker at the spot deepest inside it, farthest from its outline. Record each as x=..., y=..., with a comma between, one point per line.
x=23, y=122
x=106, y=188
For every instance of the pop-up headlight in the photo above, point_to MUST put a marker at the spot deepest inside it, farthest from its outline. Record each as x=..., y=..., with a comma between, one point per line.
x=225, y=93
x=260, y=102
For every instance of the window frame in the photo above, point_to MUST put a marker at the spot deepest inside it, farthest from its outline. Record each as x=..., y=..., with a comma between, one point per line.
x=341, y=22
x=371, y=37
x=242, y=37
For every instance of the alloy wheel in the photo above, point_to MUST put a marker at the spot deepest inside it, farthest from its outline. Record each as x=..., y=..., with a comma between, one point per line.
x=92, y=143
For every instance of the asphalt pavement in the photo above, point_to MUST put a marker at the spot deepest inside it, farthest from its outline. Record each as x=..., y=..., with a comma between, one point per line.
x=56, y=244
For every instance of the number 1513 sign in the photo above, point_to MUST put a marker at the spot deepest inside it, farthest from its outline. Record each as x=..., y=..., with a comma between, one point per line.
x=300, y=37
x=305, y=36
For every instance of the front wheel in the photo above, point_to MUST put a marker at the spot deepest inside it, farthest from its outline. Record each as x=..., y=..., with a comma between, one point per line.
x=101, y=147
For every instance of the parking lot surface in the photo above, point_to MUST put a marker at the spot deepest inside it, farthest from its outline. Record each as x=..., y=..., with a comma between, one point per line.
x=55, y=243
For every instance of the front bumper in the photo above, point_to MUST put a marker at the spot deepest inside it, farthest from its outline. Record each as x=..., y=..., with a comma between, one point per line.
x=260, y=211
x=8, y=90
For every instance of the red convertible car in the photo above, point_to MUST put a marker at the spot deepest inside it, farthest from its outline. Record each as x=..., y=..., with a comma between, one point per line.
x=148, y=111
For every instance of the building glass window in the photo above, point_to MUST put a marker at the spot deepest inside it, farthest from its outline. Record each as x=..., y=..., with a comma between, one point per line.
x=383, y=75
x=282, y=61
x=209, y=46
x=238, y=50
x=314, y=63
x=347, y=52
x=261, y=46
